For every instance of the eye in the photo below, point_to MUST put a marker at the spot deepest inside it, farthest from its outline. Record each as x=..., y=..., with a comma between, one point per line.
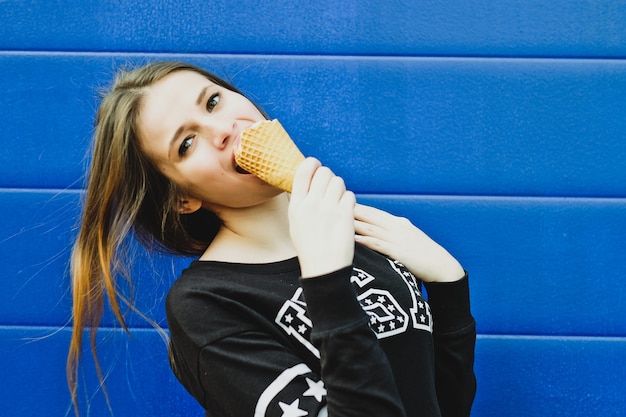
x=212, y=102
x=185, y=145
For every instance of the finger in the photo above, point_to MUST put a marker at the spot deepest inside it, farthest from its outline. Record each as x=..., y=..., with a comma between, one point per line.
x=336, y=189
x=373, y=243
x=303, y=177
x=348, y=200
x=372, y=215
x=366, y=213
x=320, y=182
x=368, y=229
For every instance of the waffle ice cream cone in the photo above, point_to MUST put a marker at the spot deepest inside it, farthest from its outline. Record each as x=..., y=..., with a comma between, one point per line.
x=267, y=151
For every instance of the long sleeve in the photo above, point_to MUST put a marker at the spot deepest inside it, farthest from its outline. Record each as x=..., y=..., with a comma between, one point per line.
x=355, y=369
x=454, y=334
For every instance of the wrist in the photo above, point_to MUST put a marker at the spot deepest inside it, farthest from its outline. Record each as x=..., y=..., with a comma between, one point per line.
x=450, y=271
x=318, y=269
x=315, y=263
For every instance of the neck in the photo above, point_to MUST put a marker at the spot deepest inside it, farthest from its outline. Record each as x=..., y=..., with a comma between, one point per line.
x=257, y=234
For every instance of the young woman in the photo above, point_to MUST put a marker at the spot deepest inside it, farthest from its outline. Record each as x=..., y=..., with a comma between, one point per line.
x=301, y=304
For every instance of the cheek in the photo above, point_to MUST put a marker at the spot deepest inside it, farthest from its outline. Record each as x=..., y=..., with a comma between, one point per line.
x=201, y=171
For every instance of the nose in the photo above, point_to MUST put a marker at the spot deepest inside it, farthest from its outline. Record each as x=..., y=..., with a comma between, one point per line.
x=219, y=132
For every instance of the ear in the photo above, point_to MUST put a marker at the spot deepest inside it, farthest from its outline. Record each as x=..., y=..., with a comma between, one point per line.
x=188, y=205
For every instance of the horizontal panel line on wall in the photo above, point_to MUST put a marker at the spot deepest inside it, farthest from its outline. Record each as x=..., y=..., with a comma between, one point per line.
x=42, y=331
x=296, y=54
x=49, y=331
x=563, y=338
x=51, y=191
x=186, y=55
x=395, y=196
x=497, y=198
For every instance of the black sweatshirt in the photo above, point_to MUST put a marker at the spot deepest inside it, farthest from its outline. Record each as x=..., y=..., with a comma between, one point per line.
x=257, y=340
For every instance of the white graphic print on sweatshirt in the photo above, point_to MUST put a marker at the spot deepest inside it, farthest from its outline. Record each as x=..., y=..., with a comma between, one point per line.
x=288, y=393
x=387, y=317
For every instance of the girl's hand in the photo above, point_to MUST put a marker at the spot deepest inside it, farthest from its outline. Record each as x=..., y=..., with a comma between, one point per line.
x=321, y=220
x=397, y=238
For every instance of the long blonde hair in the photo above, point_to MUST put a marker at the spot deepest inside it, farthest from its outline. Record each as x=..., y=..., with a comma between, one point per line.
x=125, y=196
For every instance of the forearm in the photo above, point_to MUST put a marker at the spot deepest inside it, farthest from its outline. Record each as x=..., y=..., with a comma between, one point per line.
x=455, y=338
x=355, y=369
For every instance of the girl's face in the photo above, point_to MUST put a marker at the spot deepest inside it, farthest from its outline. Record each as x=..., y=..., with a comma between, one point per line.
x=189, y=127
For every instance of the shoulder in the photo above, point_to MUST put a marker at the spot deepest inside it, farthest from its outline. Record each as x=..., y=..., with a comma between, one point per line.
x=200, y=305
x=221, y=295
x=195, y=279
x=376, y=264
x=196, y=292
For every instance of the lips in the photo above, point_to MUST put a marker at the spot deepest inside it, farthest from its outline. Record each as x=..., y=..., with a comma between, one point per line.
x=239, y=169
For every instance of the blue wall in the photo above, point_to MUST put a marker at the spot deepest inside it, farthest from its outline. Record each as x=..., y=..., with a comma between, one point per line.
x=497, y=126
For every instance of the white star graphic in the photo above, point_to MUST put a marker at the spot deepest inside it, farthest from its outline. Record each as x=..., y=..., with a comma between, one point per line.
x=288, y=318
x=292, y=410
x=316, y=389
x=302, y=328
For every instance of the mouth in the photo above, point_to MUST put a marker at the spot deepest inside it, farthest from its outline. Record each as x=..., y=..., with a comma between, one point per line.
x=240, y=169
x=236, y=145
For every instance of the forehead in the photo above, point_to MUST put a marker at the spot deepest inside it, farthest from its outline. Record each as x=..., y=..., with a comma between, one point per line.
x=173, y=91
x=165, y=105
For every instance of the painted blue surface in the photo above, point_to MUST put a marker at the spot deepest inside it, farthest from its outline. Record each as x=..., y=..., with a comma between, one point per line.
x=32, y=360
x=421, y=125
x=578, y=28
x=546, y=376
x=524, y=376
x=537, y=266
x=496, y=127
x=532, y=267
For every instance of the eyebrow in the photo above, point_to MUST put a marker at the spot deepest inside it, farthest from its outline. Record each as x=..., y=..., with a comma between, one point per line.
x=201, y=96
x=199, y=101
